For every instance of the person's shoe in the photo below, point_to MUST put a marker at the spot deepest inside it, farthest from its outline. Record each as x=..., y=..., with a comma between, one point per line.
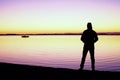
x=93, y=70
x=80, y=69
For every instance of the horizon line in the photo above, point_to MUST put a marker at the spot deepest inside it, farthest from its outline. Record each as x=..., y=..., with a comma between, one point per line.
x=99, y=33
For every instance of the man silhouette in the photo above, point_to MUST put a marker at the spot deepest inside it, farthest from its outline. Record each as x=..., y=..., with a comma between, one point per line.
x=89, y=37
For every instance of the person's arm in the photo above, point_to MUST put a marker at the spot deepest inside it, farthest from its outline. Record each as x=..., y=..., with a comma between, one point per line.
x=83, y=37
x=96, y=37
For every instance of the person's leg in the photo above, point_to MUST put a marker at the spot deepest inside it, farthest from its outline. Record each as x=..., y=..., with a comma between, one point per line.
x=85, y=50
x=92, y=57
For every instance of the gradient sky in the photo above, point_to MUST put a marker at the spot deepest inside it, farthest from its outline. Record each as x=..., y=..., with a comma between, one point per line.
x=58, y=16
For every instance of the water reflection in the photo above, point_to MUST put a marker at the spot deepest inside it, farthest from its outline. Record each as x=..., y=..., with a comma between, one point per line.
x=59, y=51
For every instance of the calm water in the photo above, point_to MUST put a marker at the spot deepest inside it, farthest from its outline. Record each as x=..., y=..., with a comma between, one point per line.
x=59, y=51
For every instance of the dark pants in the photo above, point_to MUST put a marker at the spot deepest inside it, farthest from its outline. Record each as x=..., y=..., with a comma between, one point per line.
x=86, y=48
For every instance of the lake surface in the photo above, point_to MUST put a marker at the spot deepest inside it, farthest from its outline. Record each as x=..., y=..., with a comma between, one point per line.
x=60, y=51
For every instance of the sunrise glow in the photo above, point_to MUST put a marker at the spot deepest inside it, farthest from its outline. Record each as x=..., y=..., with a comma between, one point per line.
x=58, y=16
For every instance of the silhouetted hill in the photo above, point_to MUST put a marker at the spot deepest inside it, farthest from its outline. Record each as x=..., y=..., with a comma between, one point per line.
x=26, y=72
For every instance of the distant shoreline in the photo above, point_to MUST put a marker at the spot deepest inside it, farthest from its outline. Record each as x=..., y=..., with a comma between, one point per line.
x=13, y=34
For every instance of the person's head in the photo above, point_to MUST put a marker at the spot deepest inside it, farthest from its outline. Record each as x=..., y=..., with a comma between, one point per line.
x=89, y=26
